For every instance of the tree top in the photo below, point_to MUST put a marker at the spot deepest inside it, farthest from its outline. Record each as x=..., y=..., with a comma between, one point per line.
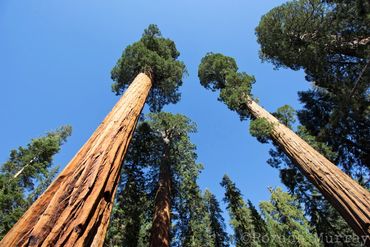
x=219, y=72
x=156, y=57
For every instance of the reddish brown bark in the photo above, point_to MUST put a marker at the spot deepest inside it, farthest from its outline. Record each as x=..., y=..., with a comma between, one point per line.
x=350, y=199
x=75, y=209
x=160, y=232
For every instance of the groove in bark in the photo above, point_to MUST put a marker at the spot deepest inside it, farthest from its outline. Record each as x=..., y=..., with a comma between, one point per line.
x=350, y=199
x=75, y=209
x=160, y=232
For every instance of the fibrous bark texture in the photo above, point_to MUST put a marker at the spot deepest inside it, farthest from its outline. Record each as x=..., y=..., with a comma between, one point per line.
x=75, y=209
x=160, y=232
x=350, y=199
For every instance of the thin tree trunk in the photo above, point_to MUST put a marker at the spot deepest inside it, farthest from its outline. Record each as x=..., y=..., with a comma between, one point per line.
x=75, y=209
x=160, y=232
x=350, y=199
x=24, y=167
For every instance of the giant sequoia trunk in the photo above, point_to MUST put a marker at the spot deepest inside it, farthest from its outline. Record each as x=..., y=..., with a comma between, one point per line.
x=75, y=209
x=346, y=195
x=160, y=232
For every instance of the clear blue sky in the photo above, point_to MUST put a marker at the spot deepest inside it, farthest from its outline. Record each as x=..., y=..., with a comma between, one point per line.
x=56, y=57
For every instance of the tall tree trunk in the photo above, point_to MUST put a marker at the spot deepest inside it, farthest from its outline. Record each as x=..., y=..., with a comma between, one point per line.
x=160, y=232
x=75, y=209
x=346, y=195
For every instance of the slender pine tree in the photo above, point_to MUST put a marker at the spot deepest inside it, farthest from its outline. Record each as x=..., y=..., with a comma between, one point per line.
x=218, y=231
x=26, y=174
x=217, y=71
x=240, y=214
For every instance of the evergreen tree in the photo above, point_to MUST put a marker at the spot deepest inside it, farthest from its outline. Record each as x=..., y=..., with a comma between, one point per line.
x=150, y=72
x=217, y=71
x=327, y=222
x=133, y=210
x=195, y=227
x=260, y=227
x=240, y=214
x=286, y=223
x=129, y=211
x=330, y=41
x=177, y=192
x=161, y=139
x=219, y=235
x=26, y=174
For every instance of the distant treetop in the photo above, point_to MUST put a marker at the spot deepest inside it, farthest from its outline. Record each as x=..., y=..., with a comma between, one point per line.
x=156, y=57
x=219, y=72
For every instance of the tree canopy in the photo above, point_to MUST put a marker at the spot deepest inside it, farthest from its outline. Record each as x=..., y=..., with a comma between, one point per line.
x=219, y=72
x=240, y=215
x=217, y=223
x=26, y=174
x=330, y=41
x=157, y=57
x=133, y=213
x=285, y=221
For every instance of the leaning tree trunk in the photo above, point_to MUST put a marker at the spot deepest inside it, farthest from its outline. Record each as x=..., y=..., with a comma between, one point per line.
x=346, y=195
x=160, y=232
x=75, y=209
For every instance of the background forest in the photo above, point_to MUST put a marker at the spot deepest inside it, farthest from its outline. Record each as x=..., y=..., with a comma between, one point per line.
x=305, y=61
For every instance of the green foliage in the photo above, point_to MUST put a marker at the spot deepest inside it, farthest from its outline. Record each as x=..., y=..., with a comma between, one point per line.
x=171, y=125
x=286, y=115
x=27, y=173
x=331, y=227
x=129, y=210
x=217, y=224
x=329, y=40
x=327, y=222
x=237, y=90
x=133, y=211
x=219, y=72
x=240, y=215
x=213, y=70
x=157, y=57
x=195, y=228
x=261, y=129
x=342, y=125
x=319, y=146
x=260, y=226
x=300, y=33
x=287, y=38
x=286, y=223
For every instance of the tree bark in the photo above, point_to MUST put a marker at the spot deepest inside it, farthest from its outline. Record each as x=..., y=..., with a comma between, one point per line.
x=75, y=209
x=160, y=232
x=350, y=199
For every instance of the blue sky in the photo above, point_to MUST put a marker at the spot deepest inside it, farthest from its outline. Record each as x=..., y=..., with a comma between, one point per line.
x=55, y=64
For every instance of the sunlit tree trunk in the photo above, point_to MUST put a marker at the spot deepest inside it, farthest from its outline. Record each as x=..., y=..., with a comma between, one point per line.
x=346, y=195
x=160, y=232
x=75, y=209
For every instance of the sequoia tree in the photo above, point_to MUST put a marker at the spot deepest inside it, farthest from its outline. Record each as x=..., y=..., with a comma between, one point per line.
x=172, y=133
x=217, y=71
x=330, y=41
x=328, y=224
x=146, y=210
x=75, y=209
